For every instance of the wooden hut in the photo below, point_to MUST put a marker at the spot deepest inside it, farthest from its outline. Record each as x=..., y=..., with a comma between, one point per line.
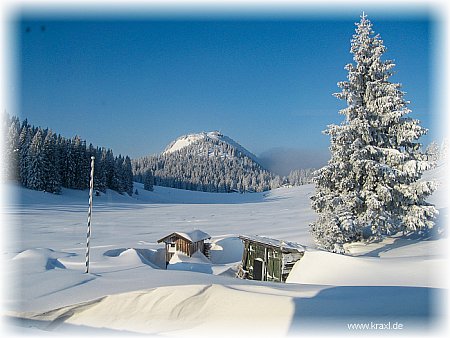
x=186, y=242
x=268, y=259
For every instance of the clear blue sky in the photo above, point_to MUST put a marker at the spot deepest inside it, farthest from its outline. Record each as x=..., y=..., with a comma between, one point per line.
x=133, y=84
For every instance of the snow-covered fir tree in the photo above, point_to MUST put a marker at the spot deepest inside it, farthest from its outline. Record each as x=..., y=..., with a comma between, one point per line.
x=371, y=186
x=99, y=169
x=24, y=144
x=148, y=180
x=443, y=154
x=36, y=175
x=300, y=176
x=127, y=176
x=12, y=130
x=52, y=181
x=433, y=153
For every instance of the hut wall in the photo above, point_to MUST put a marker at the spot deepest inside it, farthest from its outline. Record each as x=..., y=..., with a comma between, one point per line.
x=168, y=254
x=184, y=246
x=274, y=263
x=255, y=251
x=198, y=246
x=277, y=264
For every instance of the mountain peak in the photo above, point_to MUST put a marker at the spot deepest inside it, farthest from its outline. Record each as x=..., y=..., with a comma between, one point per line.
x=207, y=137
x=186, y=140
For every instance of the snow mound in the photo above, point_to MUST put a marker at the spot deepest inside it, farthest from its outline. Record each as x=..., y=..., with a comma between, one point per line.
x=191, y=309
x=243, y=310
x=134, y=257
x=41, y=259
x=114, y=252
x=197, y=263
x=129, y=257
x=325, y=268
x=226, y=250
x=197, y=257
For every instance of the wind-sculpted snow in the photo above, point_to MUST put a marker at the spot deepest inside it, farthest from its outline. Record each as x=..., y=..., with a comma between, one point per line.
x=192, y=309
x=244, y=311
x=226, y=250
x=130, y=291
x=321, y=267
x=197, y=263
x=41, y=259
x=132, y=256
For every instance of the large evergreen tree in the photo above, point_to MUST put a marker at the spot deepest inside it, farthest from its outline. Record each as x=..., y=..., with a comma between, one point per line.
x=50, y=164
x=36, y=170
x=12, y=126
x=24, y=145
x=371, y=186
x=148, y=180
x=127, y=177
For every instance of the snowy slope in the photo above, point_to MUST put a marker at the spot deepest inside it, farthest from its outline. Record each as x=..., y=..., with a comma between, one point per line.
x=190, y=139
x=184, y=141
x=400, y=279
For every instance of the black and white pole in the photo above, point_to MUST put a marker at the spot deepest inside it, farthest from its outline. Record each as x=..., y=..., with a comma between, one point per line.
x=91, y=191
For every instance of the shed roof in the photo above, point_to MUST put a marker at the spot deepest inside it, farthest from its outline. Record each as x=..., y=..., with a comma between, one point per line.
x=276, y=243
x=192, y=236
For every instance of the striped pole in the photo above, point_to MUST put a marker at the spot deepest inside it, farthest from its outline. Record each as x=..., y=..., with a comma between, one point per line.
x=91, y=190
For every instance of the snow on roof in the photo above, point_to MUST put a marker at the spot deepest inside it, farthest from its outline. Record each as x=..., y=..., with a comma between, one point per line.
x=193, y=236
x=274, y=242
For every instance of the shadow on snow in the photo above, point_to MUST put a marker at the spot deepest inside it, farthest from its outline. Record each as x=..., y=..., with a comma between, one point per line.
x=335, y=308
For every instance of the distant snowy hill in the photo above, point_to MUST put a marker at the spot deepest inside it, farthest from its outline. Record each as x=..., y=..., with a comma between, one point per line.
x=206, y=161
x=209, y=143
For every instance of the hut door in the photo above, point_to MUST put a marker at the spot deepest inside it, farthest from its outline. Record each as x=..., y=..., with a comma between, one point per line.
x=258, y=269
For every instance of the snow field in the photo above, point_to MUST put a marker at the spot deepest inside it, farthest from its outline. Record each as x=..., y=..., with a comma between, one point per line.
x=323, y=268
x=191, y=309
x=128, y=292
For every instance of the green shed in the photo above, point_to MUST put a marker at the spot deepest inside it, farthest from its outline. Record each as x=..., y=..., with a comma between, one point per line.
x=268, y=259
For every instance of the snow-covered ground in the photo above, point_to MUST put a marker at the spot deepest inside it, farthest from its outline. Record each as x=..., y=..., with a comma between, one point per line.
x=401, y=280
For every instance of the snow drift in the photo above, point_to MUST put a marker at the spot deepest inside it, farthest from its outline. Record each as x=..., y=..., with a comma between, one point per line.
x=129, y=291
x=192, y=309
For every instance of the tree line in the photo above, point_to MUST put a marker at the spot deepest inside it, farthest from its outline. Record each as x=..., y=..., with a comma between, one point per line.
x=211, y=165
x=187, y=169
x=40, y=159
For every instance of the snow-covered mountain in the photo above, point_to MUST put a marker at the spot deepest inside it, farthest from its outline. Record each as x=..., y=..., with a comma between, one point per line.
x=207, y=161
x=211, y=143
